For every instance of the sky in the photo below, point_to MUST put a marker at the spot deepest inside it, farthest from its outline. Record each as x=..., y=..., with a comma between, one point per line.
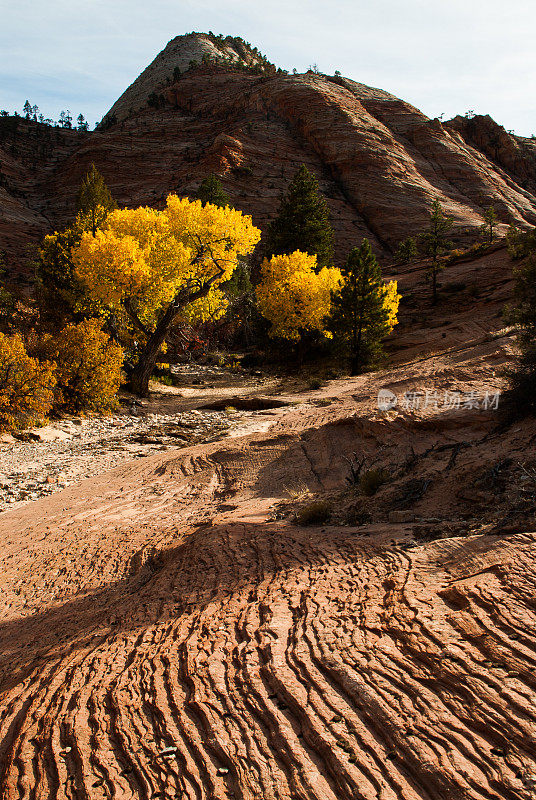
x=442, y=56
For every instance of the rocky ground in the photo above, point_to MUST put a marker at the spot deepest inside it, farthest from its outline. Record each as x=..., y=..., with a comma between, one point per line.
x=178, y=627
x=42, y=461
x=69, y=451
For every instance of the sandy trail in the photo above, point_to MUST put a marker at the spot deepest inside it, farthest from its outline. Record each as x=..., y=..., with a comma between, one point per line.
x=165, y=635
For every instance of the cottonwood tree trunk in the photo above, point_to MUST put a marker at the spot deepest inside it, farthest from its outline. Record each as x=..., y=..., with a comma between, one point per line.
x=139, y=379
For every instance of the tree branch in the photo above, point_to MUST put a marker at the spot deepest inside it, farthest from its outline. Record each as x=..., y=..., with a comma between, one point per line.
x=134, y=317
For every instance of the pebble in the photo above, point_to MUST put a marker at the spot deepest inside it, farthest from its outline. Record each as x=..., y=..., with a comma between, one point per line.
x=167, y=751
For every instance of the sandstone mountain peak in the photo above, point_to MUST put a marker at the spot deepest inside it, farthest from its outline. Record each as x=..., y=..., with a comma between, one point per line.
x=176, y=57
x=211, y=104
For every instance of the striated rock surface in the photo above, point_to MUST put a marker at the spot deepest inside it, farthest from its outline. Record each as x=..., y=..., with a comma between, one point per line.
x=516, y=155
x=380, y=162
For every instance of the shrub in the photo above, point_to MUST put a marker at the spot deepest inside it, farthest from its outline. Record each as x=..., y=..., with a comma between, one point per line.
x=162, y=374
x=297, y=489
x=88, y=367
x=520, y=243
x=162, y=377
x=407, y=251
x=242, y=171
x=26, y=385
x=314, y=513
x=356, y=516
x=371, y=480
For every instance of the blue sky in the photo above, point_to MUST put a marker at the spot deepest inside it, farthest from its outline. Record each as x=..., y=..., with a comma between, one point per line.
x=441, y=56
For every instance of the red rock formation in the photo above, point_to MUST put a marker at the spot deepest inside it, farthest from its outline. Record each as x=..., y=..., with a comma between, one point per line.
x=516, y=155
x=380, y=162
x=179, y=54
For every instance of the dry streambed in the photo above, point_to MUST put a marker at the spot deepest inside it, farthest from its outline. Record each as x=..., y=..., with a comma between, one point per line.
x=70, y=450
x=40, y=462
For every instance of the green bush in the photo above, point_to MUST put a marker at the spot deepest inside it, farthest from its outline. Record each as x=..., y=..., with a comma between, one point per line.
x=242, y=172
x=314, y=513
x=520, y=243
x=371, y=480
x=407, y=251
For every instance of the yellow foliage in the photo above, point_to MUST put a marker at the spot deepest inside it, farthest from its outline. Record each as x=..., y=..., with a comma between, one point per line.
x=391, y=301
x=88, y=367
x=26, y=385
x=145, y=258
x=293, y=296
x=211, y=307
x=61, y=291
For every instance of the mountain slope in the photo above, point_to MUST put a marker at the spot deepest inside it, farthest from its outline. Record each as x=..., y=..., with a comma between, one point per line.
x=380, y=162
x=179, y=54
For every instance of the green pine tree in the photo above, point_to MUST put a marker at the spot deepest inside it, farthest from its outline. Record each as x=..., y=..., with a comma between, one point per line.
x=435, y=243
x=212, y=191
x=94, y=199
x=62, y=296
x=302, y=222
x=361, y=315
x=490, y=220
x=407, y=251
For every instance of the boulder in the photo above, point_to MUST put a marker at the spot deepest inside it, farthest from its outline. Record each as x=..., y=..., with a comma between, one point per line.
x=49, y=434
x=401, y=517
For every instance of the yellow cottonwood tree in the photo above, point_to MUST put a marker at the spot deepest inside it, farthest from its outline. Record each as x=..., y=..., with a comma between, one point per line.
x=293, y=296
x=147, y=267
x=88, y=367
x=26, y=385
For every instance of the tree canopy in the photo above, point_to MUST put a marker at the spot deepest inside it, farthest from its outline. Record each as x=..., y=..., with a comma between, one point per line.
x=26, y=385
x=212, y=191
x=63, y=296
x=302, y=222
x=294, y=296
x=147, y=267
x=406, y=251
x=94, y=200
